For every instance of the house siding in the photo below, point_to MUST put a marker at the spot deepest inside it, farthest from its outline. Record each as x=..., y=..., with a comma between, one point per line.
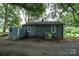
x=36, y=31
x=59, y=32
x=22, y=32
x=33, y=32
x=39, y=31
x=13, y=33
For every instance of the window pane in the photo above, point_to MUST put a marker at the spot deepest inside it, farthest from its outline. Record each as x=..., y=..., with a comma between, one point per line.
x=53, y=29
x=29, y=29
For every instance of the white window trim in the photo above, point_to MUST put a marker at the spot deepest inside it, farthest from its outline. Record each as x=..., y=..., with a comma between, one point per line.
x=18, y=32
x=54, y=29
x=29, y=29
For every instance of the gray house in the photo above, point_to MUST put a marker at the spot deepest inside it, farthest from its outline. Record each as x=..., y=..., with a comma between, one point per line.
x=47, y=30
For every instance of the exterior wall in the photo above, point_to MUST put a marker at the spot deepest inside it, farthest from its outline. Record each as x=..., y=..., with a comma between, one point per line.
x=41, y=30
x=12, y=33
x=15, y=33
x=36, y=31
x=25, y=31
x=59, y=31
x=32, y=33
x=22, y=32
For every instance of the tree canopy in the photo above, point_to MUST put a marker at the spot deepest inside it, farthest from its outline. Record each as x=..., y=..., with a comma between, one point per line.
x=36, y=9
x=10, y=13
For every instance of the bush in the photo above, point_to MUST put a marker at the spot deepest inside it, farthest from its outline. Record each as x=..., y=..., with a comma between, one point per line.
x=71, y=31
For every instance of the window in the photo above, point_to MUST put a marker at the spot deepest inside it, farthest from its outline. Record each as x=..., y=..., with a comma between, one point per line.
x=53, y=29
x=29, y=29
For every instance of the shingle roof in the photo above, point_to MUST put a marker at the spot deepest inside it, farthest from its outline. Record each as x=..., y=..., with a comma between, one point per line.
x=45, y=23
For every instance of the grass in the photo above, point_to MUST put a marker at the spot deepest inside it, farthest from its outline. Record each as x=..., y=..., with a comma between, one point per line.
x=1, y=30
x=3, y=34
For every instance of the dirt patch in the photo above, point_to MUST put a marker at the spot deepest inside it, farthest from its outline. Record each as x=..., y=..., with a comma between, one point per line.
x=29, y=47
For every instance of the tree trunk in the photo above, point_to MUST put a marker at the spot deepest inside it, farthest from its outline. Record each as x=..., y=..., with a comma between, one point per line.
x=4, y=26
x=5, y=18
x=25, y=15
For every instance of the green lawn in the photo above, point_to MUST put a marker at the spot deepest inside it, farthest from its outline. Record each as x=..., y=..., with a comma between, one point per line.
x=1, y=30
x=3, y=34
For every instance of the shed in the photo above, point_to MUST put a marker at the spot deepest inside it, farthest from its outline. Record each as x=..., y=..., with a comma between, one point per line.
x=16, y=33
x=47, y=30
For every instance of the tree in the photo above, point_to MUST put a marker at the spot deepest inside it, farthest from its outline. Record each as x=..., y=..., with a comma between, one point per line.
x=34, y=10
x=69, y=7
x=9, y=14
x=72, y=15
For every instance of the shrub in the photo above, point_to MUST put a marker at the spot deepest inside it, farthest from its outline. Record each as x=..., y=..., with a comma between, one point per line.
x=71, y=31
